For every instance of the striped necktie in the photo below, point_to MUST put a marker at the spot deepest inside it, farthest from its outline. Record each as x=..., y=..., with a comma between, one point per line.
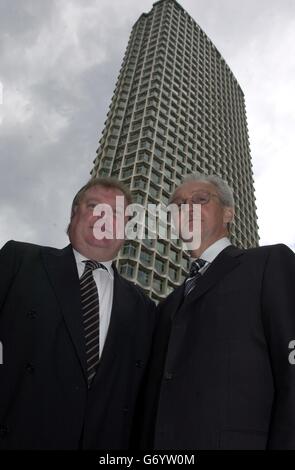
x=90, y=316
x=194, y=275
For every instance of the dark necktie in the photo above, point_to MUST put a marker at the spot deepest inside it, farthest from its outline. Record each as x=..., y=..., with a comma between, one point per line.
x=194, y=275
x=90, y=316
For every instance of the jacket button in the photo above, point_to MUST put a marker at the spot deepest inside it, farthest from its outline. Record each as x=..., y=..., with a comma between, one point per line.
x=139, y=363
x=30, y=368
x=32, y=314
x=3, y=431
x=168, y=376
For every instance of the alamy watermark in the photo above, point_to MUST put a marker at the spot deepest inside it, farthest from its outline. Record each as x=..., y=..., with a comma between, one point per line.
x=136, y=222
x=291, y=356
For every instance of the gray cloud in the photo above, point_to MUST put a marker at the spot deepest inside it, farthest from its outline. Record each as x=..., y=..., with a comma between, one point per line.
x=56, y=95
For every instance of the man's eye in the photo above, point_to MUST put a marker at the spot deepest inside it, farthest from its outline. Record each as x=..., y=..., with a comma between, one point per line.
x=199, y=199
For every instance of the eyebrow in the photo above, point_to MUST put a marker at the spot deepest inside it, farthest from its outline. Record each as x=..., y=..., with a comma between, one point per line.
x=91, y=201
x=97, y=201
x=176, y=200
x=196, y=191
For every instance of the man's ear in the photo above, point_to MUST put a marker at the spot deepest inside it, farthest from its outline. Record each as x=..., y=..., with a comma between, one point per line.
x=74, y=210
x=228, y=215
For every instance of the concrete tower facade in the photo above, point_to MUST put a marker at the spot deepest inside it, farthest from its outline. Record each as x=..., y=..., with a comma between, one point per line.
x=176, y=108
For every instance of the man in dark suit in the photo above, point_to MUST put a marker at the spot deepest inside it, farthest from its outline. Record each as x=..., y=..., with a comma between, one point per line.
x=76, y=336
x=221, y=375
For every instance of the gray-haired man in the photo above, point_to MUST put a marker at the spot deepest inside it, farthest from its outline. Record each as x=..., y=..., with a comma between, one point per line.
x=220, y=376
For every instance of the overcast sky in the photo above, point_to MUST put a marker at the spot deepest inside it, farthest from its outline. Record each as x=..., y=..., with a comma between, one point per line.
x=59, y=61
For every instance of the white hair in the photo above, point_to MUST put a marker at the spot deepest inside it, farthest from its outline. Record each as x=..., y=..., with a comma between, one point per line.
x=225, y=193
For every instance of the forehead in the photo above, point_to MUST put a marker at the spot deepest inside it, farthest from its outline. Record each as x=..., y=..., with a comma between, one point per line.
x=100, y=192
x=188, y=188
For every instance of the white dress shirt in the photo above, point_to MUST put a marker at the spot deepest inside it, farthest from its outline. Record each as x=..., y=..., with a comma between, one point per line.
x=105, y=286
x=212, y=252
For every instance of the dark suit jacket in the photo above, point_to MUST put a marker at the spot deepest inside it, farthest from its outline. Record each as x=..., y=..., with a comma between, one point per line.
x=220, y=376
x=44, y=401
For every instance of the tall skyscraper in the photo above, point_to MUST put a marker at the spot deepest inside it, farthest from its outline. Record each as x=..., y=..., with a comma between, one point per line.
x=176, y=108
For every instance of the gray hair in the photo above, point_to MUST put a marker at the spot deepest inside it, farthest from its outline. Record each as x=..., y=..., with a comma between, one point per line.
x=224, y=192
x=107, y=183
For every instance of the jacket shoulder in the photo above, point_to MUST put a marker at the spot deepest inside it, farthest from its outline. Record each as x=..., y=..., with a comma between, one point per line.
x=277, y=249
x=22, y=250
x=23, y=246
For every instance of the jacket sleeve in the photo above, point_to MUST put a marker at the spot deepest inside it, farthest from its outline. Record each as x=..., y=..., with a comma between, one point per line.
x=278, y=309
x=7, y=269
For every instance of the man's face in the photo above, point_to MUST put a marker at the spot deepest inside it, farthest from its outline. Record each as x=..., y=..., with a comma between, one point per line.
x=82, y=232
x=214, y=216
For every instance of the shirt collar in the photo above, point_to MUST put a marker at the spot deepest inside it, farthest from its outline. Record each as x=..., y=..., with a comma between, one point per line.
x=80, y=258
x=213, y=250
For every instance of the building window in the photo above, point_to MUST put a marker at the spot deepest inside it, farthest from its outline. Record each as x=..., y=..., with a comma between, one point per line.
x=145, y=257
x=106, y=162
x=139, y=183
x=165, y=199
x=168, y=172
x=146, y=157
x=154, y=191
x=129, y=160
x=127, y=172
x=158, y=284
x=156, y=178
x=157, y=165
x=132, y=147
x=185, y=263
x=143, y=277
x=161, y=247
x=103, y=172
x=158, y=152
x=129, y=250
x=159, y=265
x=148, y=242
x=173, y=274
x=167, y=186
x=148, y=133
x=146, y=144
x=169, y=160
x=174, y=255
x=142, y=169
x=126, y=269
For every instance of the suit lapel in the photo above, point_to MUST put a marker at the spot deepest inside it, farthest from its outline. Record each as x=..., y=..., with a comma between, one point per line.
x=225, y=262
x=63, y=275
x=222, y=265
x=173, y=302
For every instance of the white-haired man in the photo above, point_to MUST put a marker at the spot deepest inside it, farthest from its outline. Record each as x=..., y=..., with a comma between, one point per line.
x=221, y=375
